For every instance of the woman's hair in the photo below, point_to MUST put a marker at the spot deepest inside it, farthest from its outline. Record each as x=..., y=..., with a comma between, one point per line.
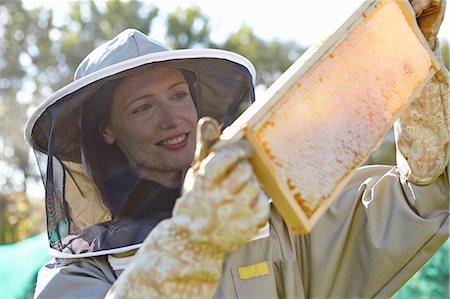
x=100, y=159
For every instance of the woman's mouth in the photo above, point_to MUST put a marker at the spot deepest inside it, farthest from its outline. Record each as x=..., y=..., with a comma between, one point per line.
x=174, y=142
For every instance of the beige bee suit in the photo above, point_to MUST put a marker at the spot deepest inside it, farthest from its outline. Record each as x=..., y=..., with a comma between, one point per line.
x=373, y=238
x=377, y=234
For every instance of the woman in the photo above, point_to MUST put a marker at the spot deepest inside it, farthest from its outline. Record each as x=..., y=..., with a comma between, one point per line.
x=118, y=143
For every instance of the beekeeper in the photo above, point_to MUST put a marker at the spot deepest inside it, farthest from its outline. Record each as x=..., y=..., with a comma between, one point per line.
x=114, y=147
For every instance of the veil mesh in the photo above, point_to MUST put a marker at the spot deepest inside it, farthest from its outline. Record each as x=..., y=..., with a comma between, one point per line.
x=80, y=220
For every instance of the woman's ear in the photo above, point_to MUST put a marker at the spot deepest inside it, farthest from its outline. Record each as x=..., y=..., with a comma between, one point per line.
x=108, y=135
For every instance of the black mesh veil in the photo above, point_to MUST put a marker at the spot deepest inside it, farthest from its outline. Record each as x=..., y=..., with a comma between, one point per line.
x=85, y=220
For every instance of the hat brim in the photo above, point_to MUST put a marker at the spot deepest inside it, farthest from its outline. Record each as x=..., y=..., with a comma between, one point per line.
x=215, y=80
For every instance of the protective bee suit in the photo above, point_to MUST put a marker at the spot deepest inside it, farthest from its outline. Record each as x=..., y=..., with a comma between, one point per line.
x=384, y=226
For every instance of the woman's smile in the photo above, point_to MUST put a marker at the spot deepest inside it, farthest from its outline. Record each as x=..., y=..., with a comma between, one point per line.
x=175, y=142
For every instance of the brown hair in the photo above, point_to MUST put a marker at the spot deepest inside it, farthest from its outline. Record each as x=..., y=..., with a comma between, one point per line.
x=101, y=160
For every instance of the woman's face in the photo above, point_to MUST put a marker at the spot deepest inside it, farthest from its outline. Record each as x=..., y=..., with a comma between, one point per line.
x=153, y=121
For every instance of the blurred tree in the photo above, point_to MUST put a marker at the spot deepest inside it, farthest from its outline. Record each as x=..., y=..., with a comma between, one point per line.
x=37, y=56
x=21, y=217
x=20, y=30
x=16, y=54
x=89, y=25
x=271, y=58
x=445, y=48
x=188, y=28
x=432, y=281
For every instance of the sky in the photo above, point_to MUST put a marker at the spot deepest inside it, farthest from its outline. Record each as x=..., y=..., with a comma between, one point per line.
x=304, y=21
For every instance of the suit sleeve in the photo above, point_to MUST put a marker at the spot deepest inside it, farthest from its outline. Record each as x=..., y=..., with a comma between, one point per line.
x=70, y=278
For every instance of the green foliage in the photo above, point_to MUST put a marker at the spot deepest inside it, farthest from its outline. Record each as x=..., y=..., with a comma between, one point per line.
x=38, y=54
x=432, y=281
x=265, y=55
x=20, y=217
x=188, y=28
x=16, y=54
x=445, y=48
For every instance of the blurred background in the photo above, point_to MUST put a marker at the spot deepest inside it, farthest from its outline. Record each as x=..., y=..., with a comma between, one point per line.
x=42, y=42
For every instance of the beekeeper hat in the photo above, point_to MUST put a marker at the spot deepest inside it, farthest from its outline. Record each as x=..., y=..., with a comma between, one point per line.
x=223, y=82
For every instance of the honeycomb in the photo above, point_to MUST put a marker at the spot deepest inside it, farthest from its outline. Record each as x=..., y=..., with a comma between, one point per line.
x=329, y=119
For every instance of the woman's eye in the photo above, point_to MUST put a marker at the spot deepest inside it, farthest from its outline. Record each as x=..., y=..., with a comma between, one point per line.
x=180, y=95
x=142, y=108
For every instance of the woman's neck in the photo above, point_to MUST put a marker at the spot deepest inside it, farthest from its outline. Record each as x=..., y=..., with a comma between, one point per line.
x=168, y=179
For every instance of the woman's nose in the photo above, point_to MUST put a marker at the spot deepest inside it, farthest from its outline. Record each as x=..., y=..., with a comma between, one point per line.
x=170, y=117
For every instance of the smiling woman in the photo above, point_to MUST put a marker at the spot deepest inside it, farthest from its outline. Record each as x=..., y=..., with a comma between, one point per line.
x=113, y=146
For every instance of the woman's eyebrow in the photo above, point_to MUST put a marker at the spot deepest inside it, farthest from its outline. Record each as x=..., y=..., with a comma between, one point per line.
x=178, y=83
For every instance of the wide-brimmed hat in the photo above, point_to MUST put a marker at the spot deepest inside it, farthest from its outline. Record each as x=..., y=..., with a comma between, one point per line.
x=224, y=80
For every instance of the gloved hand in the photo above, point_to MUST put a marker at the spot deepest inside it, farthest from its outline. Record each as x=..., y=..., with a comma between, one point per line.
x=226, y=196
x=422, y=133
x=429, y=15
x=221, y=208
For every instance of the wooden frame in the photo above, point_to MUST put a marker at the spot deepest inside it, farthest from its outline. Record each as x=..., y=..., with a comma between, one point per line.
x=344, y=95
